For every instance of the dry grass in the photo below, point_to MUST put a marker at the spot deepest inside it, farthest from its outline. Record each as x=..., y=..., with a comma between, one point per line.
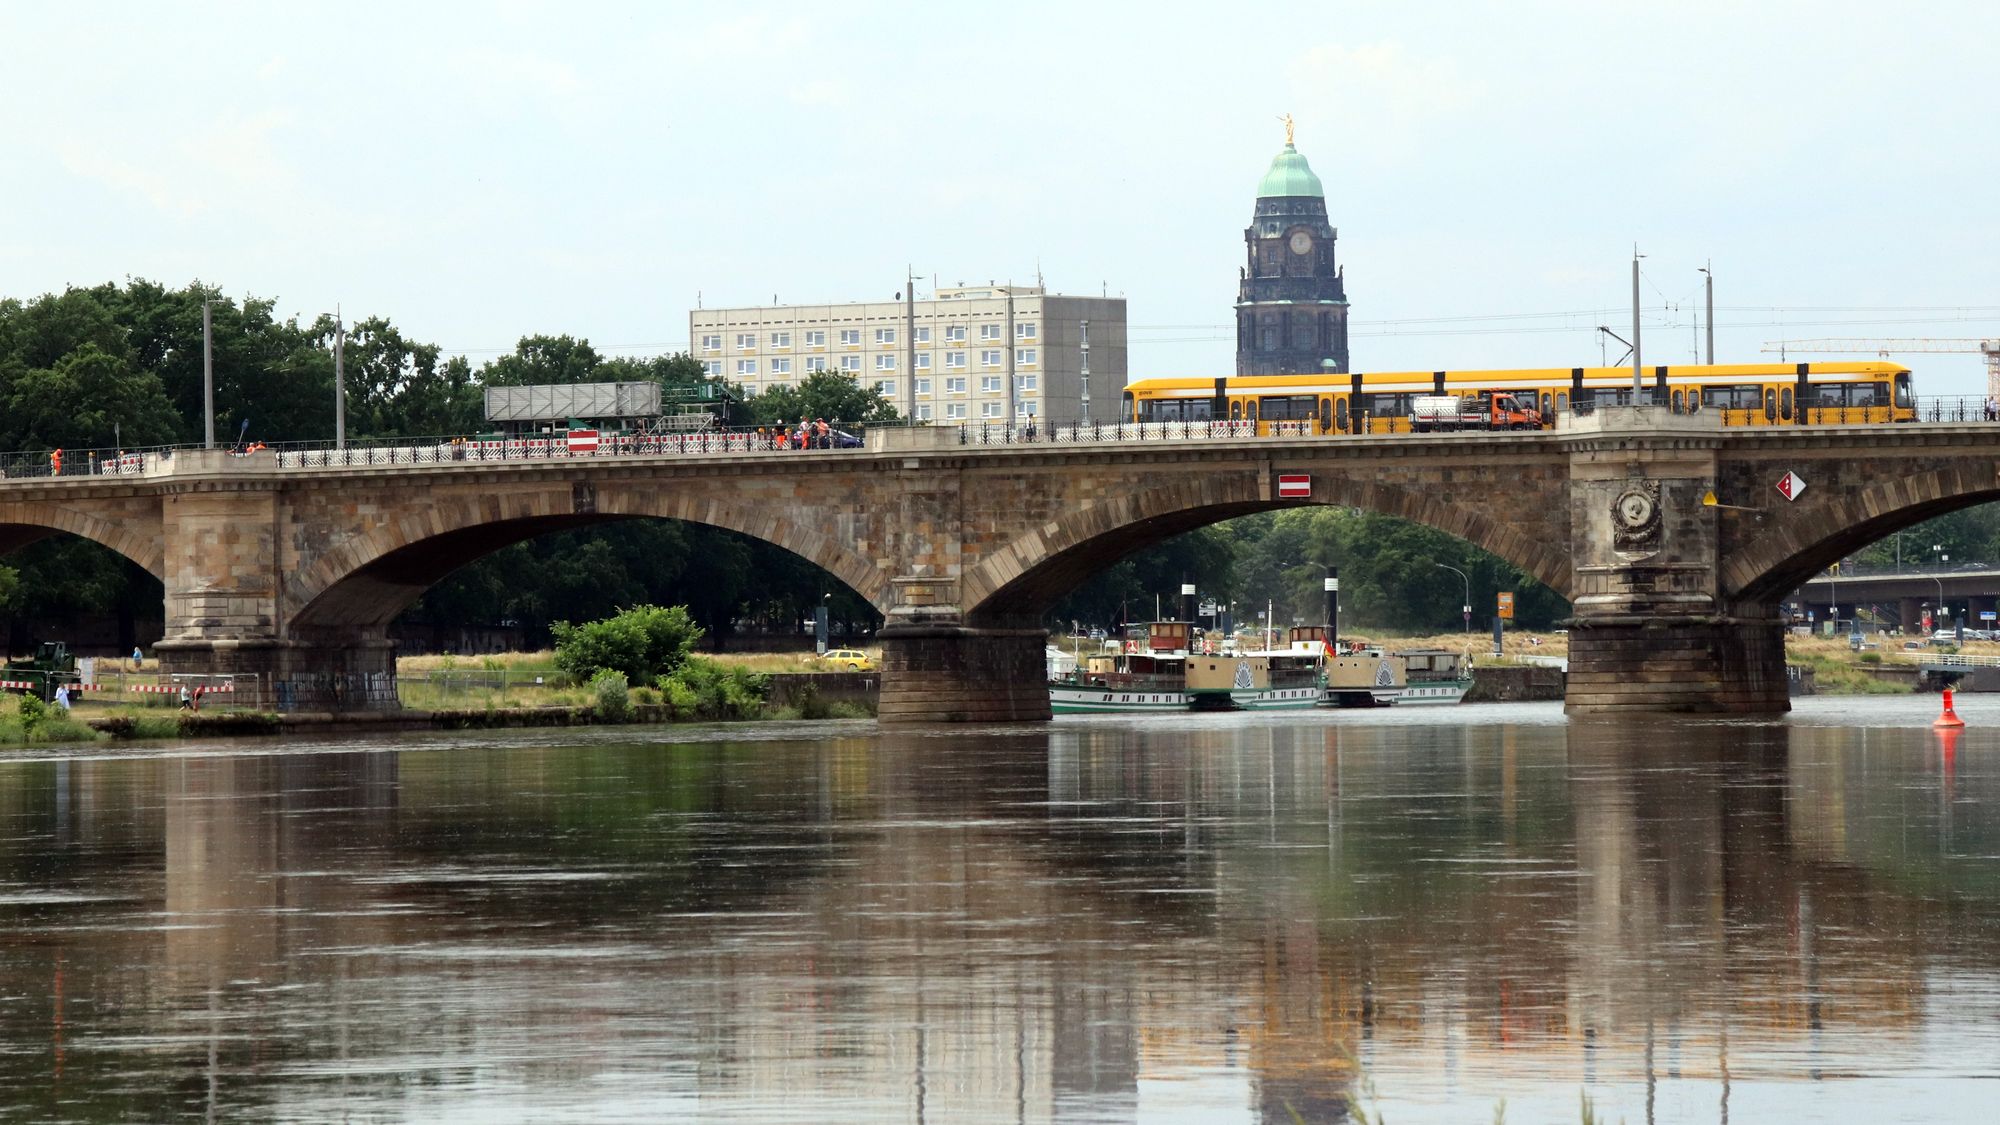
x=545, y=661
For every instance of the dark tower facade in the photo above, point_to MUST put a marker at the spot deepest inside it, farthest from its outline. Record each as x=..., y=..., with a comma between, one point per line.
x=1291, y=304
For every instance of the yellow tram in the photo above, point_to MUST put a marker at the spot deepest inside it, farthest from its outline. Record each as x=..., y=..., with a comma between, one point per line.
x=1380, y=402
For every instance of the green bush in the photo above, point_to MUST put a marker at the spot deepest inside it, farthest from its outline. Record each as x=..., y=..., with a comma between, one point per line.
x=1871, y=658
x=643, y=696
x=612, y=695
x=703, y=689
x=645, y=643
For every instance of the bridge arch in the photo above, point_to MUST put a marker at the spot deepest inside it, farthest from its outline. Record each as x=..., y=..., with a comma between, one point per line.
x=1016, y=584
x=366, y=580
x=1784, y=557
x=25, y=522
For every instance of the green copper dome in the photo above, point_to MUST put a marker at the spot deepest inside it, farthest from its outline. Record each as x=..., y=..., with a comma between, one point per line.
x=1289, y=175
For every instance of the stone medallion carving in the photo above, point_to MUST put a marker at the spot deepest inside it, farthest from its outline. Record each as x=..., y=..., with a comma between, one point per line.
x=1635, y=518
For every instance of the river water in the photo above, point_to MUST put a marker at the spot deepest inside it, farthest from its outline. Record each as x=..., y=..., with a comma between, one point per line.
x=1231, y=918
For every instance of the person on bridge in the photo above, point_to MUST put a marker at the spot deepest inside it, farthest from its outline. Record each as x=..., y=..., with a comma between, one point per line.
x=55, y=463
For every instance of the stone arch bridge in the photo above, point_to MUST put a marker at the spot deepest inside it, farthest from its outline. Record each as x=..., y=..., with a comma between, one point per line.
x=295, y=574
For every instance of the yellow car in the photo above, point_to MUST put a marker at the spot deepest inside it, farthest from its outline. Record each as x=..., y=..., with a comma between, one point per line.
x=852, y=659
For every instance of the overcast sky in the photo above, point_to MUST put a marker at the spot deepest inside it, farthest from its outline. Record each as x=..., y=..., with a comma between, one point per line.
x=591, y=168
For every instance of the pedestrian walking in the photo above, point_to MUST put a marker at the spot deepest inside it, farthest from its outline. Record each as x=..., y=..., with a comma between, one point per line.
x=55, y=463
x=62, y=696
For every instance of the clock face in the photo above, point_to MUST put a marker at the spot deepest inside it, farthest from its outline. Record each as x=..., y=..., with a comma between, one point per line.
x=1635, y=508
x=1301, y=242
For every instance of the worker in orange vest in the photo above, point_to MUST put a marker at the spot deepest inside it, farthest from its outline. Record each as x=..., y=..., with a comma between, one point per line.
x=55, y=463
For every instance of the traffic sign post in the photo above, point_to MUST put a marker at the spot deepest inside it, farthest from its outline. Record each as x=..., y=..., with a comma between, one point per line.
x=1506, y=606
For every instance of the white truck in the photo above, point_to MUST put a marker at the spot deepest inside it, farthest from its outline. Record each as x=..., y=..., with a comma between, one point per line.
x=1487, y=410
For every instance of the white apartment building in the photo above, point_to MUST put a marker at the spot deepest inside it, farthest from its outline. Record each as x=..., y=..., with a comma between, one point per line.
x=947, y=358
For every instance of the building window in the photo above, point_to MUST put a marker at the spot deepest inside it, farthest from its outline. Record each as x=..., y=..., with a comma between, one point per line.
x=781, y=366
x=1024, y=357
x=954, y=410
x=923, y=335
x=747, y=341
x=990, y=357
x=1024, y=330
x=851, y=336
x=746, y=367
x=781, y=339
x=954, y=385
x=989, y=410
x=885, y=363
x=816, y=338
x=815, y=363
x=954, y=359
x=923, y=361
x=885, y=387
x=885, y=335
x=711, y=343
x=1267, y=339
x=989, y=332
x=923, y=412
x=713, y=367
x=850, y=363
x=989, y=384
x=1025, y=382
x=1024, y=410
x=954, y=333
x=923, y=386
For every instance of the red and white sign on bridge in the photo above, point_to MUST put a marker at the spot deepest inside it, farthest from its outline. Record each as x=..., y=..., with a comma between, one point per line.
x=1295, y=486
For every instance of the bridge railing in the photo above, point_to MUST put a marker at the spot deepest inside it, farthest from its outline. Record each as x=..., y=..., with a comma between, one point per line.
x=1077, y=433
x=1956, y=408
x=83, y=462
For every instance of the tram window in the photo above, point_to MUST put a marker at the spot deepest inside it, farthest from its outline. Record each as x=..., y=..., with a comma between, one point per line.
x=1903, y=389
x=1389, y=406
x=1856, y=395
x=1785, y=404
x=1680, y=401
x=1174, y=410
x=1235, y=411
x=1128, y=407
x=1281, y=408
x=1694, y=400
x=1325, y=414
x=1743, y=396
x=1770, y=405
x=1340, y=413
x=1562, y=400
x=1548, y=402
x=1250, y=411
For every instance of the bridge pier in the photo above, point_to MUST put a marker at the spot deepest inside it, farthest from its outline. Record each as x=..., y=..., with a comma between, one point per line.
x=944, y=673
x=355, y=674
x=1676, y=663
x=1652, y=630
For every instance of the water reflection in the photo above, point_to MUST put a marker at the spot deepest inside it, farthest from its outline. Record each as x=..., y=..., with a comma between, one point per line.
x=1102, y=921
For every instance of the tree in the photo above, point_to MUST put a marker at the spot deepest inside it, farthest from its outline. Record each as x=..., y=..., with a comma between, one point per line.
x=644, y=643
x=836, y=397
x=540, y=360
x=81, y=402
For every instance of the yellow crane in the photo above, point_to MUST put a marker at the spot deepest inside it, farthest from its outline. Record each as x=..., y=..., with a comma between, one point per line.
x=1851, y=346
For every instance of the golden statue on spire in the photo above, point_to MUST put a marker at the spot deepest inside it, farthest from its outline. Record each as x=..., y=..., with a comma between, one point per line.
x=1287, y=119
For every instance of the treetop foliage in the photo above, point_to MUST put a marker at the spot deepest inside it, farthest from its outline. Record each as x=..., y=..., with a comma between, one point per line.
x=643, y=644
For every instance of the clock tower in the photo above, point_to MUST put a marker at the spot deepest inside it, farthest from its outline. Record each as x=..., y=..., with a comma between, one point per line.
x=1291, y=302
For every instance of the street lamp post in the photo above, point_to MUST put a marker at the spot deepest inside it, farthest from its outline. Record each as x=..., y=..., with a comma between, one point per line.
x=1466, y=606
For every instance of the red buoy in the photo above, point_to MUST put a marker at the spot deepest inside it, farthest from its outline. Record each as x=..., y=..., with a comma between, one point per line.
x=1950, y=717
